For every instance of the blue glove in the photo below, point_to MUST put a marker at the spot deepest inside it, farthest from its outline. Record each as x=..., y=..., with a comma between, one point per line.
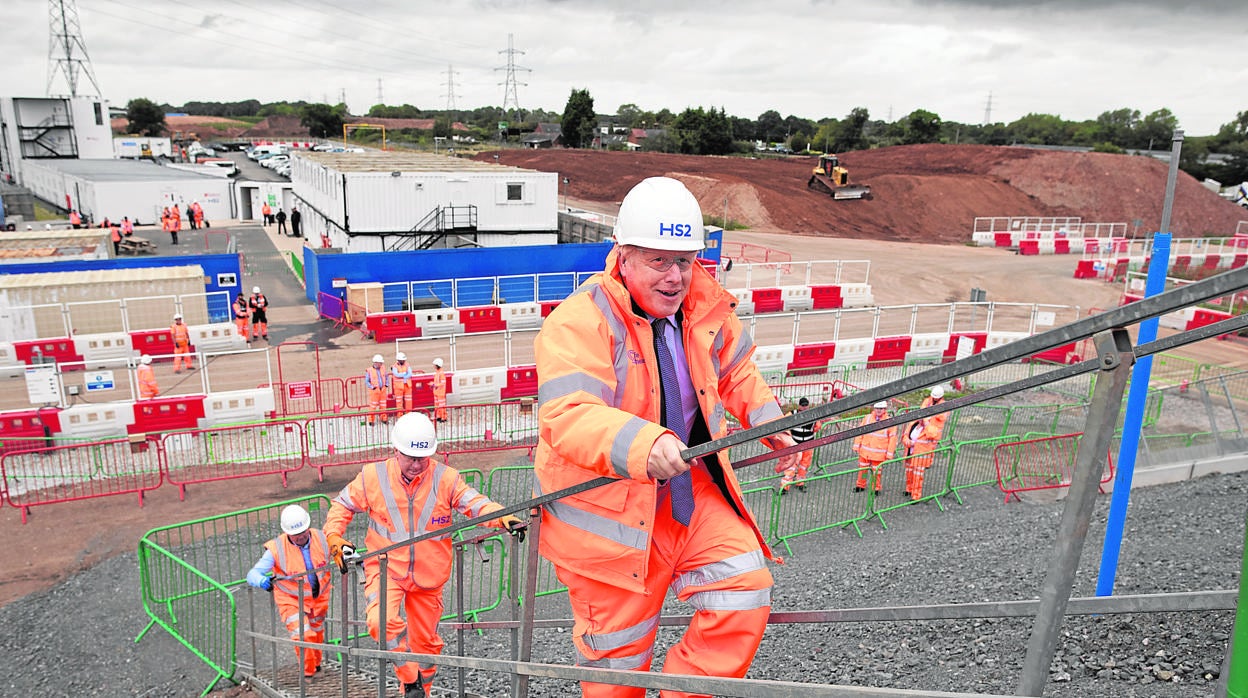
x=267, y=584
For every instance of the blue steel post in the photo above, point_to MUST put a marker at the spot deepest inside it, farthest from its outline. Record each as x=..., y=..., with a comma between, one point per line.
x=1137, y=398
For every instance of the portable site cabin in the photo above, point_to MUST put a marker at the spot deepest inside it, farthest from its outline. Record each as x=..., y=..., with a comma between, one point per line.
x=23, y=246
x=40, y=305
x=383, y=201
x=113, y=189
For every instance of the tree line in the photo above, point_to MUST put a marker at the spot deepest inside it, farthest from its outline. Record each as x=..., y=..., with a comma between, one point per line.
x=712, y=131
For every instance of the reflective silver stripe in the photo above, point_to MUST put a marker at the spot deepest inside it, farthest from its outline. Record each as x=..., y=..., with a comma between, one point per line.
x=344, y=498
x=381, y=531
x=745, y=348
x=606, y=642
x=593, y=523
x=618, y=334
x=292, y=618
x=387, y=495
x=717, y=417
x=397, y=640
x=765, y=413
x=718, y=571
x=731, y=600
x=635, y=661
x=623, y=441
x=369, y=598
x=563, y=386
x=470, y=494
x=716, y=347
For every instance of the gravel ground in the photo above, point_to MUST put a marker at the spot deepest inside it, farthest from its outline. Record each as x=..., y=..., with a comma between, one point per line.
x=78, y=638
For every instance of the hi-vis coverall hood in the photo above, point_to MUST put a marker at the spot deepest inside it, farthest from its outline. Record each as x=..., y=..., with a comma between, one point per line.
x=599, y=414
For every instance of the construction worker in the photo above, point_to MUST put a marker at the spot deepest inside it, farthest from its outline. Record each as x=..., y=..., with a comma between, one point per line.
x=114, y=233
x=299, y=549
x=874, y=448
x=377, y=380
x=197, y=212
x=267, y=212
x=147, y=378
x=439, y=391
x=401, y=383
x=920, y=439
x=259, y=314
x=181, y=335
x=801, y=434
x=75, y=220
x=127, y=227
x=242, y=317
x=621, y=399
x=406, y=496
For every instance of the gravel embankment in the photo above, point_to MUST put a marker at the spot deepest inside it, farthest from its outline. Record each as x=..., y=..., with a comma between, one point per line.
x=78, y=638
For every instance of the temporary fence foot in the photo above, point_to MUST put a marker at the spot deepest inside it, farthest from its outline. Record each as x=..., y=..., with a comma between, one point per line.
x=143, y=632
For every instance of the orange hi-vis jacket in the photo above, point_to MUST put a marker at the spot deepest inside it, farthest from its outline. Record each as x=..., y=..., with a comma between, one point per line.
x=600, y=414
x=376, y=378
x=288, y=561
x=876, y=446
x=439, y=384
x=181, y=334
x=399, y=511
x=933, y=427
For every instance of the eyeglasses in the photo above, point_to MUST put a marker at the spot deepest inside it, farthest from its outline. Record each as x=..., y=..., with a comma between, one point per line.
x=662, y=263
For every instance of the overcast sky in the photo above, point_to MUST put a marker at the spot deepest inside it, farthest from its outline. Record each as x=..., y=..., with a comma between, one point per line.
x=809, y=58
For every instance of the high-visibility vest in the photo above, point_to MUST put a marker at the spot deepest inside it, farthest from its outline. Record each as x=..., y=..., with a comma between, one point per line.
x=288, y=561
x=181, y=335
x=439, y=384
x=147, y=381
x=401, y=375
x=398, y=511
x=376, y=378
x=876, y=446
x=241, y=309
x=600, y=414
x=932, y=427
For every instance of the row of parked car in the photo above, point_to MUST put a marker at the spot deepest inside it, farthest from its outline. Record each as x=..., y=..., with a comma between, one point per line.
x=277, y=157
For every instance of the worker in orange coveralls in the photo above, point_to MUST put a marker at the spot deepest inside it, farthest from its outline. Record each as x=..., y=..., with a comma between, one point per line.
x=920, y=439
x=377, y=380
x=299, y=549
x=406, y=496
x=242, y=317
x=147, y=378
x=647, y=358
x=796, y=474
x=181, y=335
x=401, y=383
x=874, y=448
x=439, y=391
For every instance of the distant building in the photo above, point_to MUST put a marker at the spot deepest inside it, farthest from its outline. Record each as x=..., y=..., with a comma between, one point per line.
x=546, y=135
x=51, y=128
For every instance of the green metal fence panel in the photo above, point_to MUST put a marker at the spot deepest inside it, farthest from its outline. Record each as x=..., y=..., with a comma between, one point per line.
x=975, y=422
x=973, y=464
x=484, y=576
x=1169, y=369
x=828, y=502
x=895, y=492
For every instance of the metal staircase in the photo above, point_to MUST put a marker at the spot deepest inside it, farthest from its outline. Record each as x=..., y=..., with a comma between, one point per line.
x=435, y=226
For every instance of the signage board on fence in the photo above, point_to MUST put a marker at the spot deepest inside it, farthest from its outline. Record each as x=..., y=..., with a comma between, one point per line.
x=100, y=380
x=42, y=385
x=301, y=390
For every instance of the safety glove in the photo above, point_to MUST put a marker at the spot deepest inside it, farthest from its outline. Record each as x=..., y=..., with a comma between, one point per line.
x=267, y=584
x=339, y=550
x=514, y=525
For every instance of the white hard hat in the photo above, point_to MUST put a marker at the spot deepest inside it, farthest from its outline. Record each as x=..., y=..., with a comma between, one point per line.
x=438, y=362
x=295, y=519
x=938, y=392
x=660, y=213
x=255, y=289
x=145, y=359
x=400, y=357
x=413, y=435
x=881, y=405
x=377, y=359
x=177, y=316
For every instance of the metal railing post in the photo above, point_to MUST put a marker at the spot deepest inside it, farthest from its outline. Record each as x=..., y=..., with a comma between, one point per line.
x=383, y=561
x=460, y=674
x=520, y=688
x=1115, y=355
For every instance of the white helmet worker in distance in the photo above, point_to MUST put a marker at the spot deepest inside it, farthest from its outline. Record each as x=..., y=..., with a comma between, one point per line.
x=938, y=393
x=255, y=289
x=177, y=316
x=400, y=357
x=438, y=362
x=295, y=520
x=659, y=213
x=378, y=359
x=145, y=360
x=881, y=405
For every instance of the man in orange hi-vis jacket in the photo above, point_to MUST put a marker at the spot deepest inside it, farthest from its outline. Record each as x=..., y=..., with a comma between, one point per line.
x=920, y=439
x=377, y=381
x=439, y=391
x=874, y=448
x=242, y=317
x=406, y=496
x=646, y=358
x=299, y=549
x=181, y=335
x=401, y=383
x=147, y=378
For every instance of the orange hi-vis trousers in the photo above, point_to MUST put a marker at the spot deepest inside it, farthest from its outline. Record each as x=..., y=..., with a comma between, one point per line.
x=242, y=324
x=715, y=565
x=402, y=397
x=916, y=467
x=314, y=617
x=180, y=354
x=876, y=469
x=376, y=403
x=797, y=474
x=419, y=634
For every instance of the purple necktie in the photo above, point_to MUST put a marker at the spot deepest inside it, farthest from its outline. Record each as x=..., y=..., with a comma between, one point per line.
x=681, y=486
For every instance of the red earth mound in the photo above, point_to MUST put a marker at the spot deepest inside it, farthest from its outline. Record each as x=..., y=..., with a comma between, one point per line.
x=920, y=193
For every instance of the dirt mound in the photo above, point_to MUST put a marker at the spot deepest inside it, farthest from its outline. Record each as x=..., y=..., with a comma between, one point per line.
x=920, y=193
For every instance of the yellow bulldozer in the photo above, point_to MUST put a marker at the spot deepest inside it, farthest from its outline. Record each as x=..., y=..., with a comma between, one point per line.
x=830, y=178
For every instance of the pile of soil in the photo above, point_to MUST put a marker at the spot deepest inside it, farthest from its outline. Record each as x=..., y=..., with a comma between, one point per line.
x=920, y=193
